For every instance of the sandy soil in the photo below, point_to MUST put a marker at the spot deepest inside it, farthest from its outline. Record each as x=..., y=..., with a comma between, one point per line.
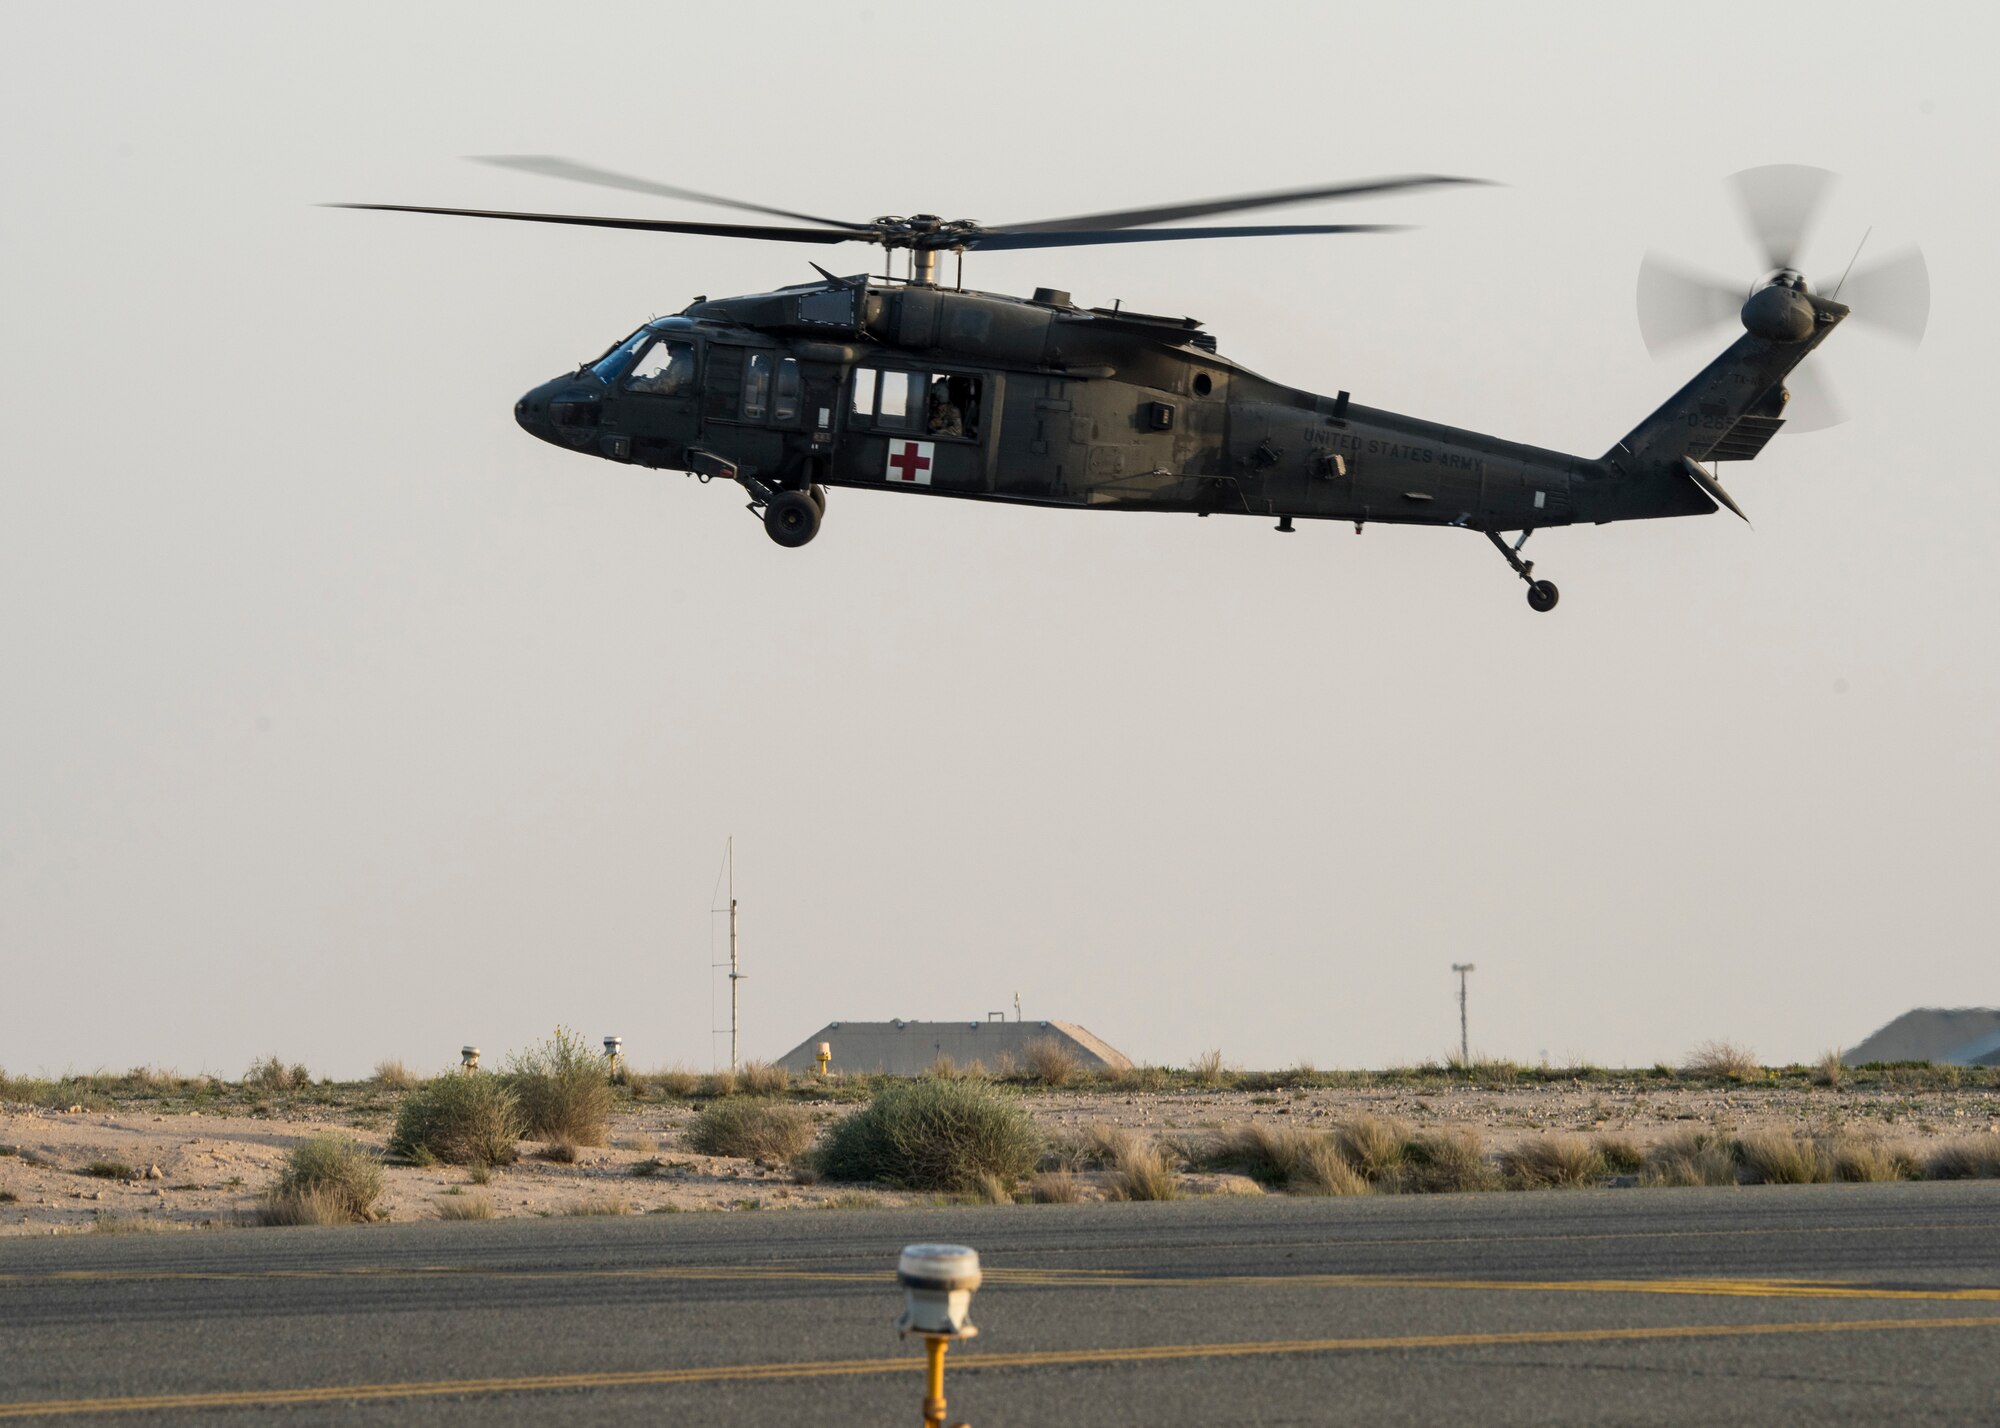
x=200, y=1170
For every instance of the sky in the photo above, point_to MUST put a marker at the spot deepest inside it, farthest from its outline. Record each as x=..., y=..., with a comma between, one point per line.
x=340, y=720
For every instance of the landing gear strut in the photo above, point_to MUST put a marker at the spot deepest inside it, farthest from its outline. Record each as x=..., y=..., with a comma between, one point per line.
x=1542, y=594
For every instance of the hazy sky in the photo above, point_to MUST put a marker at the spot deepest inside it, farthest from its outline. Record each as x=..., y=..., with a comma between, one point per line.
x=341, y=719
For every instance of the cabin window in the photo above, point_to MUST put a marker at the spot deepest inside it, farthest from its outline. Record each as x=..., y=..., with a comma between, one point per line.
x=757, y=387
x=935, y=403
x=785, y=405
x=665, y=369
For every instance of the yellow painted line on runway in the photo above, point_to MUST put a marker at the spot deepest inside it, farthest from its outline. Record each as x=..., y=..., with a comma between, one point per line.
x=1078, y=1279
x=971, y=1362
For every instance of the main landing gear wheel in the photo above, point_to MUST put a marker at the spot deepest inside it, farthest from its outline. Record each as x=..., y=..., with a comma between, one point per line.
x=1542, y=595
x=791, y=518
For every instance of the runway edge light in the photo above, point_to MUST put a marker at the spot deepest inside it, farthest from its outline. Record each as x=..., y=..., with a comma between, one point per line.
x=938, y=1283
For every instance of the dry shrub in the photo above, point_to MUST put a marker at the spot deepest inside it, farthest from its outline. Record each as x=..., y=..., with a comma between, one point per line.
x=458, y=1119
x=1693, y=1157
x=1054, y=1187
x=751, y=1129
x=1207, y=1070
x=990, y=1190
x=718, y=1083
x=271, y=1074
x=108, y=1170
x=465, y=1207
x=1975, y=1159
x=676, y=1081
x=559, y=1151
x=562, y=1089
x=1323, y=1170
x=1781, y=1158
x=1446, y=1162
x=1831, y=1070
x=1721, y=1061
x=326, y=1180
x=1374, y=1146
x=933, y=1134
x=1621, y=1154
x=764, y=1078
x=1050, y=1062
x=943, y=1067
x=394, y=1075
x=1566, y=1162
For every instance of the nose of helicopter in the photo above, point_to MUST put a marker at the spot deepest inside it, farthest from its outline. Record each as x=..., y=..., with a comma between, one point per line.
x=532, y=412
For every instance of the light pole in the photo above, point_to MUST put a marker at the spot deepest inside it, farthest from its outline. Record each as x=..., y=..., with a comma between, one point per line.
x=1464, y=1044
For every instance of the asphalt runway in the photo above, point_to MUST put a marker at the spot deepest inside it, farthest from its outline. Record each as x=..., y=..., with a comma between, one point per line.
x=1854, y=1303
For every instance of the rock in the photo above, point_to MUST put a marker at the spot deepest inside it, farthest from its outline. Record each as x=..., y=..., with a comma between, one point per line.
x=153, y=1173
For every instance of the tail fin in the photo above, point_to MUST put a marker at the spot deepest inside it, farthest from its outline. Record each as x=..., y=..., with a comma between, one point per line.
x=1735, y=404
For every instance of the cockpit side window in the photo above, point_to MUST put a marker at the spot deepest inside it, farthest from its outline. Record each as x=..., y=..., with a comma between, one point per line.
x=618, y=361
x=666, y=369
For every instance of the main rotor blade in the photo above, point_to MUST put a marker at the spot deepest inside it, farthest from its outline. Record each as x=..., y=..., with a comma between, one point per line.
x=1135, y=217
x=1815, y=405
x=554, y=166
x=1893, y=293
x=1778, y=203
x=992, y=242
x=649, y=225
x=1675, y=303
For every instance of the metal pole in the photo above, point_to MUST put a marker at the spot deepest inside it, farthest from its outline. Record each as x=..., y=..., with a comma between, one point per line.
x=1464, y=1043
x=734, y=975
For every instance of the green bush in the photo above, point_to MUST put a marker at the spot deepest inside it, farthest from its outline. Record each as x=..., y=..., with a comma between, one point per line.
x=933, y=1135
x=327, y=1180
x=562, y=1089
x=751, y=1129
x=459, y=1119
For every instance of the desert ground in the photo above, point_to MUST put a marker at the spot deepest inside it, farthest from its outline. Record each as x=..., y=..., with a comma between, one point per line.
x=194, y=1155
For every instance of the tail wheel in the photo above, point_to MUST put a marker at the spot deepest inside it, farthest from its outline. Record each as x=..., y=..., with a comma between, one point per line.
x=1542, y=596
x=791, y=518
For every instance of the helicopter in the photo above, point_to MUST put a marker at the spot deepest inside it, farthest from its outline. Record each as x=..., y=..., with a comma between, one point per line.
x=900, y=382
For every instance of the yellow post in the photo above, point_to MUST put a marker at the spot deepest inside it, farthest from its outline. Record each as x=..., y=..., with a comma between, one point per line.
x=934, y=1347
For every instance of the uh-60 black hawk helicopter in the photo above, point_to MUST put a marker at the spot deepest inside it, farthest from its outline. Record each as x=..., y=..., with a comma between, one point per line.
x=904, y=383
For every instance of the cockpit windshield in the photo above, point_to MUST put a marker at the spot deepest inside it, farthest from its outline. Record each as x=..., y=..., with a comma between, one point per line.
x=618, y=361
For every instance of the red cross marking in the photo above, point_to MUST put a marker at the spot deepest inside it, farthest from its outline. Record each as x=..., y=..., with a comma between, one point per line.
x=908, y=463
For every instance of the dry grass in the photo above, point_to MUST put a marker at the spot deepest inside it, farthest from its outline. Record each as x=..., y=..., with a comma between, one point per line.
x=1693, y=1157
x=1144, y=1173
x=1622, y=1155
x=595, y=1205
x=1322, y=1170
x=1054, y=1187
x=558, y=1152
x=108, y=1170
x=1446, y=1163
x=1975, y=1159
x=718, y=1083
x=1262, y=1152
x=990, y=1190
x=465, y=1207
x=1554, y=1162
x=751, y=1129
x=676, y=1081
x=1831, y=1070
x=1141, y=1078
x=1210, y=1072
x=394, y=1075
x=1722, y=1061
x=1866, y=1160
x=762, y=1078
x=328, y=1180
x=1373, y=1146
x=1050, y=1062
x=1781, y=1158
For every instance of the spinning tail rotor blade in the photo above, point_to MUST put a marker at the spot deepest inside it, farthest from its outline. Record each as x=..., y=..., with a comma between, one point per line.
x=1779, y=202
x=1814, y=405
x=1677, y=303
x=1893, y=294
